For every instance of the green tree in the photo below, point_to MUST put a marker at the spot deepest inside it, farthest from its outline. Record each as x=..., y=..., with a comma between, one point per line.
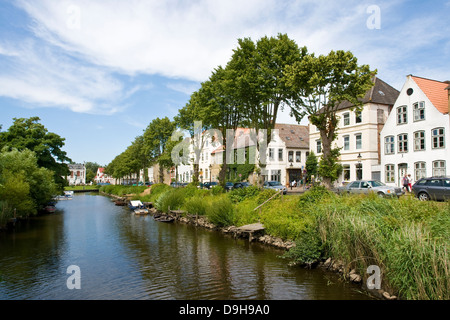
x=24, y=186
x=311, y=165
x=260, y=84
x=32, y=135
x=91, y=170
x=155, y=139
x=324, y=82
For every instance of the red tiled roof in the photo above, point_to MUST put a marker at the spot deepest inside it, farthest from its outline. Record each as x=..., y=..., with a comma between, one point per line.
x=435, y=91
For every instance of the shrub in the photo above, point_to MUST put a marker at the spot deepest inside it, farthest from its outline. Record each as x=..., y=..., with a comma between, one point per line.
x=216, y=190
x=237, y=195
x=308, y=248
x=196, y=205
x=172, y=199
x=221, y=212
x=264, y=195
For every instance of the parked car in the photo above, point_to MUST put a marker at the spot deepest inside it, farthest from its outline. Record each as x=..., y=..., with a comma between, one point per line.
x=176, y=184
x=240, y=185
x=368, y=186
x=274, y=185
x=209, y=185
x=433, y=188
x=229, y=186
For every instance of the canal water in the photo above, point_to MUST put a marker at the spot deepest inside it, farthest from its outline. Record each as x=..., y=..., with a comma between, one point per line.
x=123, y=256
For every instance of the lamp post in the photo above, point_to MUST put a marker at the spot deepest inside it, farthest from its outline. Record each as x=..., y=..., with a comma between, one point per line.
x=359, y=166
x=210, y=174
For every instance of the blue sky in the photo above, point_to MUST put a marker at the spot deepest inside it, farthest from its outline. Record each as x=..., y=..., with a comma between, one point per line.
x=98, y=72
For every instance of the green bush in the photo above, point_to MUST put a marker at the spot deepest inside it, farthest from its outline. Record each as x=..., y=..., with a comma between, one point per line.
x=237, y=195
x=173, y=199
x=308, y=248
x=197, y=205
x=221, y=211
x=216, y=190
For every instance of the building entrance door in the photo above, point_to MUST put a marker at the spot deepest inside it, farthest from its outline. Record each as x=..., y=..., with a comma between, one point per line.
x=402, y=170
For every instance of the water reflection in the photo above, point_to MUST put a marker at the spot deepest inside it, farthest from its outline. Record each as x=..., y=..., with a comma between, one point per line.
x=123, y=256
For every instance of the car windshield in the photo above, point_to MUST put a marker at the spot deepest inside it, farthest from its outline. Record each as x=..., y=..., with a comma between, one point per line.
x=376, y=183
x=274, y=183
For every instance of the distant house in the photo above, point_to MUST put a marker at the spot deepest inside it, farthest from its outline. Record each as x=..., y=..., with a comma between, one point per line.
x=77, y=174
x=358, y=133
x=416, y=134
x=101, y=177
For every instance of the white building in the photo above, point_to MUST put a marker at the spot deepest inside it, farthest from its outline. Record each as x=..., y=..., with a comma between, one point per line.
x=77, y=174
x=416, y=135
x=358, y=133
x=285, y=155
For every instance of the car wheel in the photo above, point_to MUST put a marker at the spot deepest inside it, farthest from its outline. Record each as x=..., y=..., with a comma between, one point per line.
x=423, y=196
x=380, y=194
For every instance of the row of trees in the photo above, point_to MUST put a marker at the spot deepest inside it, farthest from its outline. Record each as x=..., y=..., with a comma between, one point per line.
x=260, y=79
x=32, y=167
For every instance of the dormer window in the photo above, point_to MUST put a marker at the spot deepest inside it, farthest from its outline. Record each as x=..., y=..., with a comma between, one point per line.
x=419, y=111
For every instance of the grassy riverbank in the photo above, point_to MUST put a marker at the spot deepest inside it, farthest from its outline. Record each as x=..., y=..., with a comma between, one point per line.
x=406, y=238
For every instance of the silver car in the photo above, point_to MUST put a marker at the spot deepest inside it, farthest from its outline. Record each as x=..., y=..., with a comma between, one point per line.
x=367, y=186
x=275, y=185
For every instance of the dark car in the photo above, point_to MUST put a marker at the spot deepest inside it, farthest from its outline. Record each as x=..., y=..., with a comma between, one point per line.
x=229, y=186
x=433, y=188
x=176, y=184
x=209, y=185
x=240, y=185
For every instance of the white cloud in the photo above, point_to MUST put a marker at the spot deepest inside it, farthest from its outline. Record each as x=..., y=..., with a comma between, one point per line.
x=186, y=88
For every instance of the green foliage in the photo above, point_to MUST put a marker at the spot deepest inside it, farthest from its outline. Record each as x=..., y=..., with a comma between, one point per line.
x=330, y=166
x=311, y=165
x=264, y=195
x=315, y=194
x=29, y=134
x=197, y=205
x=307, y=249
x=238, y=195
x=221, y=211
x=23, y=185
x=216, y=190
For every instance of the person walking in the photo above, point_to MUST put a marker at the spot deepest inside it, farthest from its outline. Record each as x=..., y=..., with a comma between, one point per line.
x=410, y=182
x=406, y=182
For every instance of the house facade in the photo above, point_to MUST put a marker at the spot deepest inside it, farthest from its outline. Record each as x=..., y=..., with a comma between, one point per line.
x=416, y=135
x=358, y=133
x=77, y=174
x=285, y=156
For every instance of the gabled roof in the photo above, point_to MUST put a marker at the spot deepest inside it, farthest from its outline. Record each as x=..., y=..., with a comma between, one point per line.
x=436, y=92
x=293, y=135
x=380, y=93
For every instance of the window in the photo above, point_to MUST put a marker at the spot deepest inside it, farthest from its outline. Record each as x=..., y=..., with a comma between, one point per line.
x=358, y=141
x=319, y=146
x=389, y=145
x=402, y=116
x=346, y=142
x=434, y=183
x=291, y=156
x=419, y=111
x=403, y=142
x=419, y=140
x=439, y=168
x=353, y=185
x=280, y=154
x=276, y=175
x=420, y=170
x=271, y=155
x=437, y=138
x=390, y=173
x=298, y=155
x=358, y=117
x=380, y=116
x=346, y=172
x=346, y=119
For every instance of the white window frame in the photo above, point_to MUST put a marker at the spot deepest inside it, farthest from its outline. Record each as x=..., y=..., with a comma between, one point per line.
x=439, y=168
x=419, y=140
x=419, y=111
x=420, y=170
x=438, y=138
x=402, y=115
x=389, y=145
x=402, y=143
x=389, y=173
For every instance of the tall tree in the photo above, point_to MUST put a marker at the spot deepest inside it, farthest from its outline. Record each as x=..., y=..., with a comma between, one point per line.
x=323, y=83
x=32, y=135
x=156, y=136
x=260, y=85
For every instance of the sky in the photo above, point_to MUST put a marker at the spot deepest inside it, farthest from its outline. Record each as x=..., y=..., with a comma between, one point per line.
x=98, y=72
